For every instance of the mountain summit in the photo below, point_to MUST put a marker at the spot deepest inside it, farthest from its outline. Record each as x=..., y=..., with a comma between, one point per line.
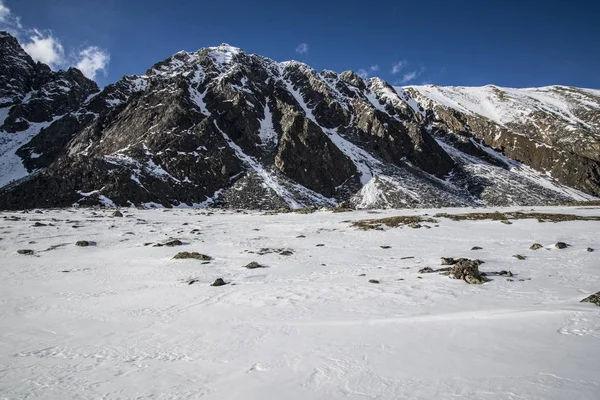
x=225, y=128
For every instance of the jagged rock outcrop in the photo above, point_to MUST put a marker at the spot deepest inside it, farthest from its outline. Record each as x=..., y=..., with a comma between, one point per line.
x=32, y=97
x=220, y=127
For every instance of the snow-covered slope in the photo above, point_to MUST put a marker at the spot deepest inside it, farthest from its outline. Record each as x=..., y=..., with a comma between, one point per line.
x=553, y=129
x=507, y=105
x=119, y=319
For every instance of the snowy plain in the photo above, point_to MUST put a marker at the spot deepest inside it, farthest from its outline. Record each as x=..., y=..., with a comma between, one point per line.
x=117, y=320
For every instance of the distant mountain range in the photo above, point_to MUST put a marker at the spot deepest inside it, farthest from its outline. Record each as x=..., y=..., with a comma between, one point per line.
x=223, y=128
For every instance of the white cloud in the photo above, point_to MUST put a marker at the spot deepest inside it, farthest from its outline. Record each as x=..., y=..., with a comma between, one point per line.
x=302, y=48
x=45, y=48
x=366, y=72
x=9, y=21
x=92, y=60
x=397, y=67
x=4, y=12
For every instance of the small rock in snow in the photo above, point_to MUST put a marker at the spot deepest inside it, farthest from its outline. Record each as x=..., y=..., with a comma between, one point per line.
x=25, y=252
x=594, y=299
x=219, y=282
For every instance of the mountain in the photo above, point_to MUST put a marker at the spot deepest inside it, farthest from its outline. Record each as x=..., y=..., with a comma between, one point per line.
x=32, y=97
x=225, y=128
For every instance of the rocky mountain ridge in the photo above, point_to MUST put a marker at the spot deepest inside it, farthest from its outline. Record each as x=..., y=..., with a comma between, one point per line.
x=220, y=127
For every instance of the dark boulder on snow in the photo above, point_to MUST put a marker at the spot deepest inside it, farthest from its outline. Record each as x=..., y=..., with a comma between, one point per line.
x=468, y=270
x=254, y=265
x=191, y=255
x=594, y=299
x=219, y=282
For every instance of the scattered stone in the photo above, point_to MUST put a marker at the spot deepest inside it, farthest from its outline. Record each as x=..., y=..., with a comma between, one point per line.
x=25, y=252
x=561, y=245
x=286, y=253
x=392, y=222
x=589, y=249
x=363, y=275
x=536, y=246
x=373, y=281
x=118, y=214
x=505, y=273
x=56, y=246
x=300, y=236
x=184, y=255
x=192, y=281
x=448, y=261
x=38, y=224
x=510, y=280
x=406, y=258
x=429, y=270
x=506, y=222
x=386, y=247
x=266, y=250
x=82, y=243
x=594, y=299
x=171, y=243
x=254, y=265
x=320, y=245
x=419, y=277
x=219, y=282
x=468, y=270
x=147, y=244
x=476, y=248
x=519, y=257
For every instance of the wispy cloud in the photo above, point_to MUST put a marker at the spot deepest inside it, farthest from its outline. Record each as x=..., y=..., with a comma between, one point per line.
x=302, y=48
x=399, y=66
x=43, y=46
x=411, y=76
x=366, y=72
x=9, y=21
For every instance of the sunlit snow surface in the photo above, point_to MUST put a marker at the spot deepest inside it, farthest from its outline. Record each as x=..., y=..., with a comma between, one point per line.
x=121, y=324
x=506, y=105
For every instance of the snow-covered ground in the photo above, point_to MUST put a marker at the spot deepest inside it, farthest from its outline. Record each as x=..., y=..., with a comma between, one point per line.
x=121, y=324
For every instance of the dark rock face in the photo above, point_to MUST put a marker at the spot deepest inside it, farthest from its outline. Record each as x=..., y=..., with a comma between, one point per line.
x=222, y=128
x=32, y=98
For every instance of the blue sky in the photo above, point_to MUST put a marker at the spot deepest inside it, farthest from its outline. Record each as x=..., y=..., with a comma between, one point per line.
x=508, y=43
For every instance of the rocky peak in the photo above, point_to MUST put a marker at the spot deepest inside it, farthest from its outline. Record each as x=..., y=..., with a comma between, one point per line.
x=225, y=128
